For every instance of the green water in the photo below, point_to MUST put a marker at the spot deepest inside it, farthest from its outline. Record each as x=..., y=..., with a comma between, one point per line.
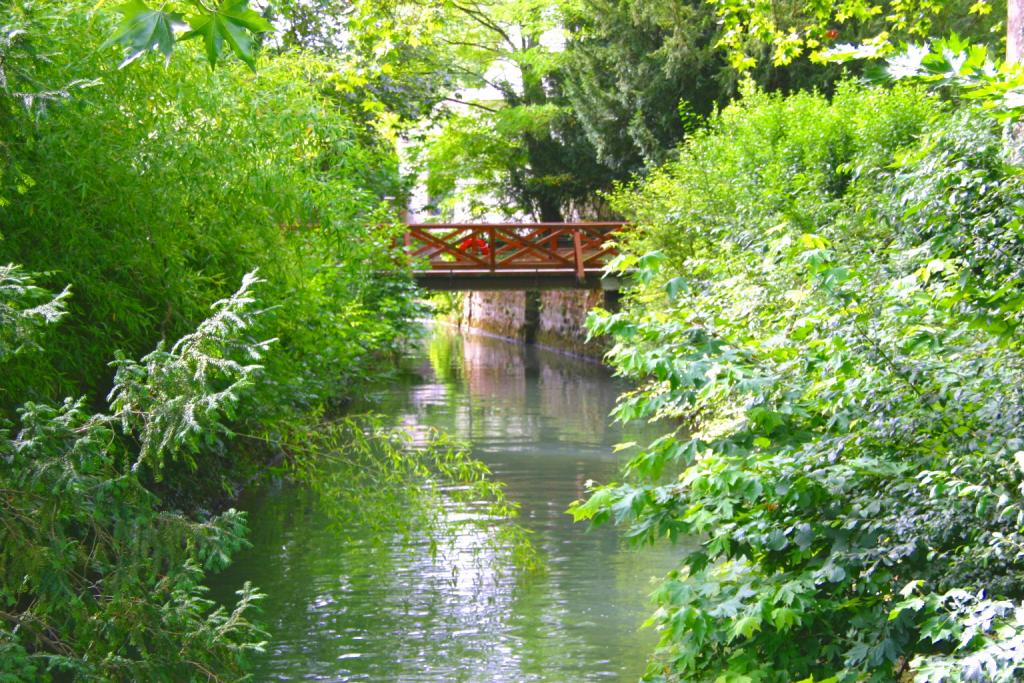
x=343, y=610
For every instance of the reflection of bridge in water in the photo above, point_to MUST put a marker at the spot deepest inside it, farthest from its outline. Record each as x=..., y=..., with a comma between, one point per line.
x=491, y=256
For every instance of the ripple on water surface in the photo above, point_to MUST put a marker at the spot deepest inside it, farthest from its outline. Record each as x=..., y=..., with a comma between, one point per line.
x=346, y=610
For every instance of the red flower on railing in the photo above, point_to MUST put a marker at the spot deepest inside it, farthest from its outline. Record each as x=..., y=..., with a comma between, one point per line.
x=474, y=245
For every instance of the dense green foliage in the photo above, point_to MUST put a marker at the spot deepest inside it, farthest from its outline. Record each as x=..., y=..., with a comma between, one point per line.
x=955, y=66
x=537, y=106
x=100, y=580
x=827, y=315
x=511, y=140
x=97, y=581
x=641, y=75
x=153, y=191
x=754, y=32
x=144, y=195
x=829, y=312
x=548, y=103
x=156, y=189
x=219, y=26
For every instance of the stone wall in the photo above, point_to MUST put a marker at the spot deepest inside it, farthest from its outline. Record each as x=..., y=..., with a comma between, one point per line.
x=563, y=313
x=501, y=313
x=554, y=318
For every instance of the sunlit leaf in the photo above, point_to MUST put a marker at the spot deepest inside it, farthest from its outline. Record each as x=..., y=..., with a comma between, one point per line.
x=144, y=29
x=233, y=23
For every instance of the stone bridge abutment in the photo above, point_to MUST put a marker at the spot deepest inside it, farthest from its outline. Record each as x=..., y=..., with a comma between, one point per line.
x=554, y=318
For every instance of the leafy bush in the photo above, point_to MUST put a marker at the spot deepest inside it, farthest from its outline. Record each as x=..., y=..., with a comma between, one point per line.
x=830, y=320
x=97, y=580
x=155, y=188
x=150, y=189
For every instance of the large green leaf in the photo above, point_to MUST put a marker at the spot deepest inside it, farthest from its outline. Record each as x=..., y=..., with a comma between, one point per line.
x=233, y=23
x=144, y=28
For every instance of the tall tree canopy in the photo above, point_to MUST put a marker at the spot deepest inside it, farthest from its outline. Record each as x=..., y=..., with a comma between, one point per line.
x=544, y=103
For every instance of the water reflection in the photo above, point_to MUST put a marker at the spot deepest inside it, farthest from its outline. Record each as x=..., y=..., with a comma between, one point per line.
x=341, y=610
x=502, y=392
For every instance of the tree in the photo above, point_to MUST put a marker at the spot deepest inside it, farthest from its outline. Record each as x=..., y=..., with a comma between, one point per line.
x=641, y=75
x=793, y=29
x=506, y=120
x=549, y=102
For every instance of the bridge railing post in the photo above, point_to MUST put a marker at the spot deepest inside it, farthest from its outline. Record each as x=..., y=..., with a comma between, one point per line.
x=577, y=245
x=492, y=244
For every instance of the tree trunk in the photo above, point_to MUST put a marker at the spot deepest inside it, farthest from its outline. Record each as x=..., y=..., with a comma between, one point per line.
x=1014, y=54
x=1014, y=31
x=550, y=210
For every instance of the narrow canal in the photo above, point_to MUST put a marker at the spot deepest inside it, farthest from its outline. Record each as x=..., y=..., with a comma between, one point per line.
x=343, y=610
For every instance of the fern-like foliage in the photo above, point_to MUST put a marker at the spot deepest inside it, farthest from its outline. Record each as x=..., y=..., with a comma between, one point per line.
x=97, y=582
x=25, y=309
x=175, y=400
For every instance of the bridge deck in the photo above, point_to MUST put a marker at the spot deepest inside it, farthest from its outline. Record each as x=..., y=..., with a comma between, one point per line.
x=468, y=256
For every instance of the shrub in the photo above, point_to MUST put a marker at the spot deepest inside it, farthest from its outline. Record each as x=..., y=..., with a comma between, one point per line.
x=97, y=580
x=831, y=327
x=155, y=188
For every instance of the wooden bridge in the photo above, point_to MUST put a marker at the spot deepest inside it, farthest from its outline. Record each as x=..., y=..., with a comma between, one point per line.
x=483, y=256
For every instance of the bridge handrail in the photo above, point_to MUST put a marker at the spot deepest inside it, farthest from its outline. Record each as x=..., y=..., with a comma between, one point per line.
x=500, y=246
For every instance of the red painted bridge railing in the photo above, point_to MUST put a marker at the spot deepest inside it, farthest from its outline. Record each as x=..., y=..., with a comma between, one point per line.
x=505, y=248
